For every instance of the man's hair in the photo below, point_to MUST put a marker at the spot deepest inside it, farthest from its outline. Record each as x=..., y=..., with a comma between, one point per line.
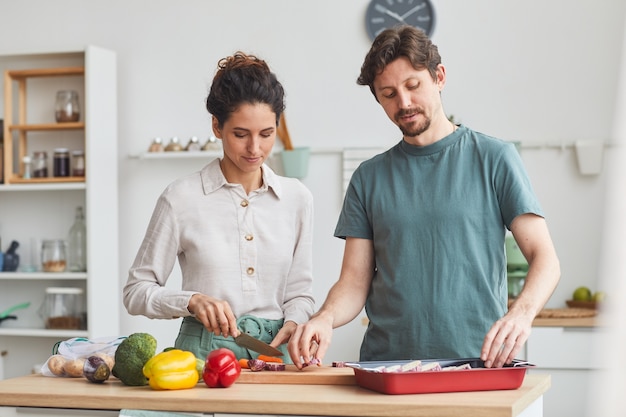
x=400, y=41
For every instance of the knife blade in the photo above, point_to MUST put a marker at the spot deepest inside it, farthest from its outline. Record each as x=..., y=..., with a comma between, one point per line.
x=249, y=342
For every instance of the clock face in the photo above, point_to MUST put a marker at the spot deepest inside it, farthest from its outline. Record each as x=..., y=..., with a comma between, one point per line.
x=384, y=14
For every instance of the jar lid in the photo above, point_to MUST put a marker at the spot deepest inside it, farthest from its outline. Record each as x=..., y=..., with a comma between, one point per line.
x=78, y=152
x=63, y=290
x=61, y=150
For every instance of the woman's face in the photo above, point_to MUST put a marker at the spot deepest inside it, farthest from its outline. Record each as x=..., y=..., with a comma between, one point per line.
x=247, y=138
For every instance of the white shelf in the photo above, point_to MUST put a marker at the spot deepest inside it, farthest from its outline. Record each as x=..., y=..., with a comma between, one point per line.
x=43, y=275
x=178, y=155
x=33, y=210
x=22, y=332
x=44, y=187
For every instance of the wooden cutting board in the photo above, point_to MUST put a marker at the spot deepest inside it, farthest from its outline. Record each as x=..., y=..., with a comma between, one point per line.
x=311, y=375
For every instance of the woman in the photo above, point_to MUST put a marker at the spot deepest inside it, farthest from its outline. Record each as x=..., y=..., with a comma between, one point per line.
x=241, y=233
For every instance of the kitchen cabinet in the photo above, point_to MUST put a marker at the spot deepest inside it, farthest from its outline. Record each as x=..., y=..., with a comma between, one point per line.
x=566, y=352
x=32, y=210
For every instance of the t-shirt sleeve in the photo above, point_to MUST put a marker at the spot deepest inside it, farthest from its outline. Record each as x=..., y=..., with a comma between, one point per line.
x=514, y=189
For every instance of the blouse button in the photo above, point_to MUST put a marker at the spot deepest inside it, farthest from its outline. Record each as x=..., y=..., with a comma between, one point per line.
x=244, y=203
x=250, y=271
x=249, y=237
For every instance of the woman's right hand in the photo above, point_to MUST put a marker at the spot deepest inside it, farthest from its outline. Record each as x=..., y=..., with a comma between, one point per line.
x=216, y=315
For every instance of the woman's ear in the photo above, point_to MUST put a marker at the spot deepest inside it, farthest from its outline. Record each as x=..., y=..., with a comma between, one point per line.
x=215, y=124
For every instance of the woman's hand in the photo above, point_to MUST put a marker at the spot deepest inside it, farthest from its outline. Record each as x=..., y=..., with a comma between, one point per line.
x=284, y=334
x=216, y=315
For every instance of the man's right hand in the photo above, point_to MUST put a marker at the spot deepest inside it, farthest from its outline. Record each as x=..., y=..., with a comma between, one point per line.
x=311, y=340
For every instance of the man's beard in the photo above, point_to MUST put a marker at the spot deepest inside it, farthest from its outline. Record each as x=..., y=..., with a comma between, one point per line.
x=413, y=129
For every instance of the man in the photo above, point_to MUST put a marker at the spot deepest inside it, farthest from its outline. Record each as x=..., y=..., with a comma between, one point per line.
x=425, y=223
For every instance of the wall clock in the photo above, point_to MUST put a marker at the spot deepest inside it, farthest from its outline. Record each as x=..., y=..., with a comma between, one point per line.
x=384, y=14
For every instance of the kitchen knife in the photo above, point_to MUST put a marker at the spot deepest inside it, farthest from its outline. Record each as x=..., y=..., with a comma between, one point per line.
x=249, y=342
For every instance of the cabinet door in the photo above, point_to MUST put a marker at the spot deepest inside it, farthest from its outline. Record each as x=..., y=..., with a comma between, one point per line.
x=564, y=347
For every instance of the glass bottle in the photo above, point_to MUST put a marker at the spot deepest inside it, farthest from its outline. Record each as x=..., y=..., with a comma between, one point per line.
x=66, y=107
x=77, y=243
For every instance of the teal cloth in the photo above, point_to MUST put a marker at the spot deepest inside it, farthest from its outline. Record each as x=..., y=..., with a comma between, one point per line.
x=437, y=216
x=195, y=338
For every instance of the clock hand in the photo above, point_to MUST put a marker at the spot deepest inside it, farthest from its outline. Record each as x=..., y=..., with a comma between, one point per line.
x=384, y=10
x=413, y=10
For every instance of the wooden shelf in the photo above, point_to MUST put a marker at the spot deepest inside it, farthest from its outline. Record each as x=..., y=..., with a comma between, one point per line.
x=47, y=127
x=15, y=179
x=16, y=124
x=45, y=72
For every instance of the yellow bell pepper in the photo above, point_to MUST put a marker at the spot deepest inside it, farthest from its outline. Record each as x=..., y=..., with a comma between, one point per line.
x=173, y=369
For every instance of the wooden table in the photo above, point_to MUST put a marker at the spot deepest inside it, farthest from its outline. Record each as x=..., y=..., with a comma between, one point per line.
x=262, y=397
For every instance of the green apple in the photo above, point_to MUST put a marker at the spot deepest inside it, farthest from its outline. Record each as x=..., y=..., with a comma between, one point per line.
x=598, y=296
x=582, y=294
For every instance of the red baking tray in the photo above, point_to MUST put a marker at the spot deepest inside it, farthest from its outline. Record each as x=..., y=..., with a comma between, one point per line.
x=478, y=378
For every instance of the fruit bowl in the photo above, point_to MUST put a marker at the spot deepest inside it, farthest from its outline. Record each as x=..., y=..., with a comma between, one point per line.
x=582, y=304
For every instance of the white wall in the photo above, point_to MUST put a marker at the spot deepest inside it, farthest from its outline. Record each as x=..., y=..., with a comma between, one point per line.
x=543, y=73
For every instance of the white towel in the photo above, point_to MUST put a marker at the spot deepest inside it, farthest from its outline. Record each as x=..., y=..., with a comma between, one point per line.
x=352, y=158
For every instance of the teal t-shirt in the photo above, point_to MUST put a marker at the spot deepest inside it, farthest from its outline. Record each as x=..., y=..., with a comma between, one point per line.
x=437, y=216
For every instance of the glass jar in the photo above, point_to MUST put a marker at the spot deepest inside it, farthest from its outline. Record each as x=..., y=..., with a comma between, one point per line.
x=66, y=107
x=78, y=163
x=62, y=308
x=61, y=162
x=53, y=255
x=40, y=164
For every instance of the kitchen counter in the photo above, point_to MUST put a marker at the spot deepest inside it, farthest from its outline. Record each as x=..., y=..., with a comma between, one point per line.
x=568, y=322
x=266, y=398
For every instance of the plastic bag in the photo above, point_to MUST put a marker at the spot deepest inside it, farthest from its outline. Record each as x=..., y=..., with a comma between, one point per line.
x=68, y=356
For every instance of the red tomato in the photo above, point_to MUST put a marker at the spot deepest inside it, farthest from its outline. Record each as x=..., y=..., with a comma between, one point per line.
x=221, y=368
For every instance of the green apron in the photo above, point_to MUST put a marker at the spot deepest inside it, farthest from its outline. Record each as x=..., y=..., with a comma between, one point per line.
x=194, y=337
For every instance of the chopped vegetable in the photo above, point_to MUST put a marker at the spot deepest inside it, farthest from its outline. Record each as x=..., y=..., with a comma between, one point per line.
x=256, y=365
x=172, y=369
x=267, y=358
x=221, y=368
x=273, y=366
x=243, y=362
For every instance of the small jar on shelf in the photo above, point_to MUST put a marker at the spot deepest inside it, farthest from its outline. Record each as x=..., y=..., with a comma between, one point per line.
x=61, y=162
x=53, y=255
x=66, y=108
x=78, y=163
x=40, y=164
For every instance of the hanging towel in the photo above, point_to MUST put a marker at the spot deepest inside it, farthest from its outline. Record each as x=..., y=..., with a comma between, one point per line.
x=352, y=158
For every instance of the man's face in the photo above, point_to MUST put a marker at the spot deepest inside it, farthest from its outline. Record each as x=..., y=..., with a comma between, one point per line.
x=409, y=97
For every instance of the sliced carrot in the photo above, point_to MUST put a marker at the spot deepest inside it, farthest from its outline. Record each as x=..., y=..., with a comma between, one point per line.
x=243, y=362
x=270, y=358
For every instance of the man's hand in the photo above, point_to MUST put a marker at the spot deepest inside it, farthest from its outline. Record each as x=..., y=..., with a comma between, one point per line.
x=505, y=339
x=311, y=340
